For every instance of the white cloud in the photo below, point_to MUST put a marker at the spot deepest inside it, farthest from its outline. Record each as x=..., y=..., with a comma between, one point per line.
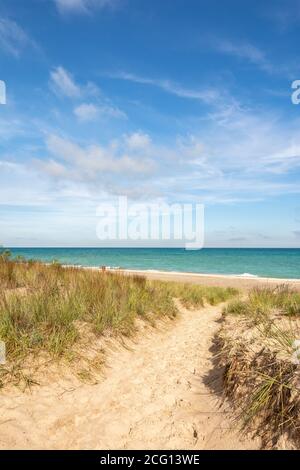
x=91, y=112
x=208, y=95
x=243, y=50
x=54, y=168
x=93, y=164
x=112, y=111
x=13, y=39
x=86, y=112
x=250, y=53
x=233, y=154
x=234, y=157
x=63, y=83
x=81, y=6
x=138, y=140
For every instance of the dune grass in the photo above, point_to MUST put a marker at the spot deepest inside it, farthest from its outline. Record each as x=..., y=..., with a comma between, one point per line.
x=39, y=308
x=193, y=296
x=266, y=301
x=262, y=363
x=42, y=306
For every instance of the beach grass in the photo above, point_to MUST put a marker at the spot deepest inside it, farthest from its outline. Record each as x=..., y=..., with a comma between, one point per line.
x=46, y=308
x=193, y=296
x=265, y=301
x=261, y=362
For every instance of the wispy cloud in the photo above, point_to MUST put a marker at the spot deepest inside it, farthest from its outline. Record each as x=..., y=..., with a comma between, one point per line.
x=63, y=83
x=251, y=53
x=243, y=50
x=138, y=141
x=94, y=164
x=13, y=38
x=243, y=158
x=91, y=112
x=207, y=95
x=81, y=6
x=86, y=112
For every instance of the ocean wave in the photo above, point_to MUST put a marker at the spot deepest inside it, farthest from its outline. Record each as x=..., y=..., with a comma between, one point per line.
x=247, y=275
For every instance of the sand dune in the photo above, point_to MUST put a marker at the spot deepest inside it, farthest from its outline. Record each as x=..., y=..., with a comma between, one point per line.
x=154, y=395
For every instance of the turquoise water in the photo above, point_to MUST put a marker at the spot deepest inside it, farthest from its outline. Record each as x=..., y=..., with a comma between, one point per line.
x=272, y=262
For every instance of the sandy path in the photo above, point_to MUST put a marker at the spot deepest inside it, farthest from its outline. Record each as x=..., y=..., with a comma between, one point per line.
x=153, y=396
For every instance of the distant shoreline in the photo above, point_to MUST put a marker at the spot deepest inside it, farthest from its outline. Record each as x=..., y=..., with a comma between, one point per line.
x=258, y=264
x=222, y=280
x=188, y=273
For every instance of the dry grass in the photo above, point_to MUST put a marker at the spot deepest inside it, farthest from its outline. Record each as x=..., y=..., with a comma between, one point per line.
x=194, y=296
x=50, y=310
x=267, y=301
x=261, y=376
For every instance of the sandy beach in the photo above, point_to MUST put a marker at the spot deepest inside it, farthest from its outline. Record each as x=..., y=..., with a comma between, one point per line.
x=221, y=280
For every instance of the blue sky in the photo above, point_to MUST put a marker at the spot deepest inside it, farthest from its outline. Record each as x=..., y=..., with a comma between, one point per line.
x=173, y=100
